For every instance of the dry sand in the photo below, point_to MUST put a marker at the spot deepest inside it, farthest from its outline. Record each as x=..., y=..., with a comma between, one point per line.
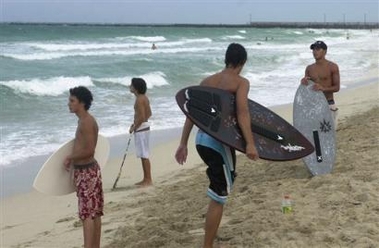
x=340, y=209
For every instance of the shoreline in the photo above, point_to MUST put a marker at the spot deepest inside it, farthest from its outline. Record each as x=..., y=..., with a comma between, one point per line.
x=19, y=179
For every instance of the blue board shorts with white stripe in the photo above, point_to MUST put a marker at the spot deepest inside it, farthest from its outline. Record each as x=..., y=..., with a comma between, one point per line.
x=221, y=161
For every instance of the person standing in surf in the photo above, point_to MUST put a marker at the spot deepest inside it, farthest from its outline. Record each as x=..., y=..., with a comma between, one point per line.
x=221, y=159
x=87, y=175
x=141, y=128
x=325, y=74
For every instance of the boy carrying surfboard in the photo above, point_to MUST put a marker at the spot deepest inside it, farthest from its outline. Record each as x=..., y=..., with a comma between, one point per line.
x=221, y=159
x=325, y=74
x=87, y=175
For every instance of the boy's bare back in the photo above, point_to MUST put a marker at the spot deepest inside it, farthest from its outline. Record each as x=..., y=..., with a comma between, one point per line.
x=225, y=81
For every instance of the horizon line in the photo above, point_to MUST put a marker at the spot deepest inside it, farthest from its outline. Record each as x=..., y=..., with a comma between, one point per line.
x=256, y=24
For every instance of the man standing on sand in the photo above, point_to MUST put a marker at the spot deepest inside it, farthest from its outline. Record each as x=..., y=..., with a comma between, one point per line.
x=325, y=74
x=141, y=128
x=221, y=159
x=87, y=175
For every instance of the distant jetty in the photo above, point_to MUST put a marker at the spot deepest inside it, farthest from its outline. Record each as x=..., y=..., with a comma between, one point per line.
x=336, y=25
x=326, y=25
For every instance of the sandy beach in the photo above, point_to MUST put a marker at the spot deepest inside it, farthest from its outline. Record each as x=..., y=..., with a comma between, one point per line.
x=335, y=210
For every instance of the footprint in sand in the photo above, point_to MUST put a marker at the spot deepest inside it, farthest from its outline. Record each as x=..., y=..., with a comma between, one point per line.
x=77, y=224
x=65, y=219
x=8, y=227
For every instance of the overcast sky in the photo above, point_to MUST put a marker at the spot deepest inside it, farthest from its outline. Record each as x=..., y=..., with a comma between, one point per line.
x=188, y=11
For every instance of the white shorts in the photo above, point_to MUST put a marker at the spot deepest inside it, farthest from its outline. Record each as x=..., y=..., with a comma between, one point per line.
x=141, y=141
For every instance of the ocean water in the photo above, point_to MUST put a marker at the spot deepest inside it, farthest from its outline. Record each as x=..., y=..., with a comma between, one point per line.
x=39, y=63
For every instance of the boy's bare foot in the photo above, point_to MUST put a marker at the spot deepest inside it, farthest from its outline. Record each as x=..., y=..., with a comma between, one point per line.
x=144, y=183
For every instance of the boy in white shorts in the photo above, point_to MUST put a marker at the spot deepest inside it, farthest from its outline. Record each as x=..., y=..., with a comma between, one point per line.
x=141, y=128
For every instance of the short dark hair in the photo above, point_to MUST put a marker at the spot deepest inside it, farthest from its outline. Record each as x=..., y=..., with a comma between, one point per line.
x=140, y=85
x=83, y=94
x=235, y=55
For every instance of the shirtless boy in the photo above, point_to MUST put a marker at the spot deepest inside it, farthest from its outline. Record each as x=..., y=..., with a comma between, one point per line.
x=221, y=159
x=141, y=128
x=87, y=175
x=325, y=74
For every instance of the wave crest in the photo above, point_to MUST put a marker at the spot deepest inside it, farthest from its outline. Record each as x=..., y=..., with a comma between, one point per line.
x=47, y=87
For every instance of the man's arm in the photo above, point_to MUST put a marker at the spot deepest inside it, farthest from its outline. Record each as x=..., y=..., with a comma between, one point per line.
x=335, y=87
x=182, y=151
x=243, y=116
x=306, y=77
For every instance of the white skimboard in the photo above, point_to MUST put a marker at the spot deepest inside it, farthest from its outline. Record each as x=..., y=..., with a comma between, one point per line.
x=313, y=118
x=53, y=179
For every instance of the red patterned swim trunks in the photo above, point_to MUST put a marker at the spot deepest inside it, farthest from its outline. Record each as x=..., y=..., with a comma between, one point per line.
x=89, y=190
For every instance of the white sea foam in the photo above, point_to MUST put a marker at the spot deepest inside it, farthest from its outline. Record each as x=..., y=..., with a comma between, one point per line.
x=24, y=144
x=153, y=79
x=47, y=87
x=123, y=52
x=148, y=38
x=233, y=37
x=183, y=42
x=86, y=46
x=56, y=50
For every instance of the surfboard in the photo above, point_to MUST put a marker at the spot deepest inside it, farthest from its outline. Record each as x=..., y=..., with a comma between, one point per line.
x=313, y=118
x=213, y=111
x=53, y=179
